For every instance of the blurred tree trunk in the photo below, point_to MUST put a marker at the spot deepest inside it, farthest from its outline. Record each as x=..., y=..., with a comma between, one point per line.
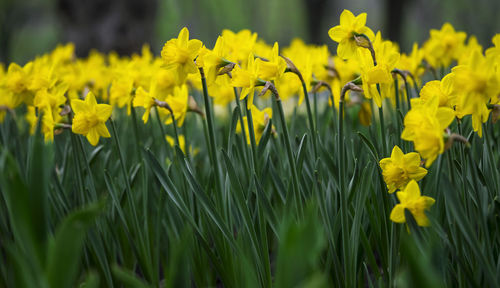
x=394, y=10
x=108, y=25
x=315, y=15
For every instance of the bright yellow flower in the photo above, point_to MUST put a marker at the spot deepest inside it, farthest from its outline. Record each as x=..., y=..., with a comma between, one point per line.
x=17, y=78
x=9, y=100
x=90, y=118
x=260, y=120
x=387, y=57
x=221, y=91
x=475, y=84
x=274, y=68
x=52, y=98
x=443, y=46
x=494, y=52
x=468, y=50
x=424, y=125
x=344, y=33
x=178, y=101
x=239, y=45
x=413, y=62
x=400, y=168
x=302, y=58
x=180, y=53
x=120, y=92
x=411, y=199
x=48, y=124
x=246, y=79
x=213, y=60
x=442, y=89
x=143, y=99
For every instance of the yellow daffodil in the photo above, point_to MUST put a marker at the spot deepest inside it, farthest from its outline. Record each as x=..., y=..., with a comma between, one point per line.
x=411, y=199
x=301, y=56
x=413, y=62
x=180, y=53
x=400, y=168
x=246, y=79
x=442, y=89
x=475, y=83
x=443, y=46
x=178, y=101
x=90, y=118
x=213, y=60
x=8, y=100
x=239, y=44
x=274, y=68
x=424, y=125
x=143, y=99
x=344, y=33
x=494, y=52
x=387, y=57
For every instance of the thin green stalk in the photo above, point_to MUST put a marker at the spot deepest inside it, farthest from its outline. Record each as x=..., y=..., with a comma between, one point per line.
x=288, y=145
x=251, y=131
x=310, y=117
x=316, y=116
x=398, y=110
x=342, y=183
x=211, y=131
x=240, y=114
x=382, y=125
x=491, y=158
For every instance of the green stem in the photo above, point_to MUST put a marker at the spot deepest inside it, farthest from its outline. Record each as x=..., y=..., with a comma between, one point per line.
x=288, y=145
x=342, y=180
x=251, y=132
x=240, y=114
x=211, y=130
x=398, y=110
x=491, y=158
x=382, y=129
x=310, y=116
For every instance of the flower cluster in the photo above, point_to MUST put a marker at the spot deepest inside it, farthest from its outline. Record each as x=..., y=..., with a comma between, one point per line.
x=61, y=91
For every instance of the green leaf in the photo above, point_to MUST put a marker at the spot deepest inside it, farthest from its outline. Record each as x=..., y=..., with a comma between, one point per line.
x=66, y=247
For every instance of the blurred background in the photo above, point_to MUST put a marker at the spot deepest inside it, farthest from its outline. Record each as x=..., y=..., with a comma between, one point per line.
x=32, y=27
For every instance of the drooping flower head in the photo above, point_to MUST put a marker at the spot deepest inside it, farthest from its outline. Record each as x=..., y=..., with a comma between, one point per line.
x=443, y=46
x=246, y=79
x=475, y=83
x=344, y=33
x=424, y=125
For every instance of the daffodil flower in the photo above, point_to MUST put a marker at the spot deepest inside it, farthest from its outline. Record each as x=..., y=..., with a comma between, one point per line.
x=246, y=79
x=274, y=68
x=400, y=168
x=344, y=33
x=410, y=198
x=90, y=118
x=180, y=53
x=424, y=125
